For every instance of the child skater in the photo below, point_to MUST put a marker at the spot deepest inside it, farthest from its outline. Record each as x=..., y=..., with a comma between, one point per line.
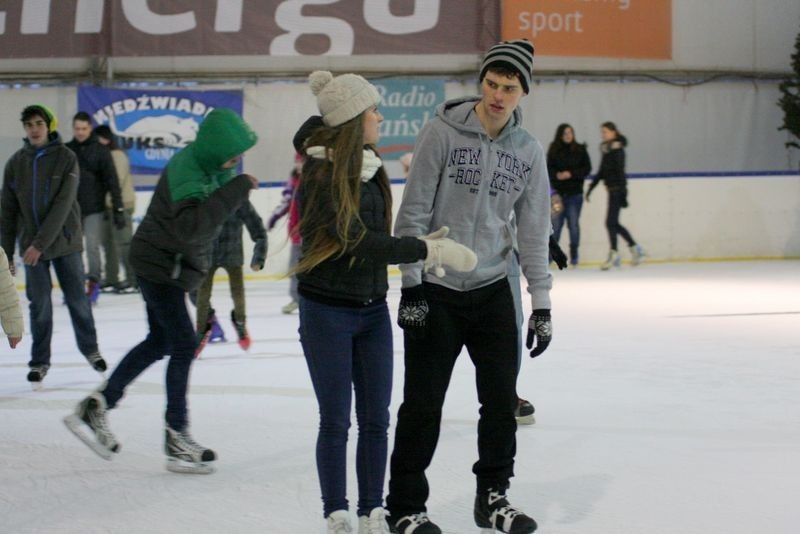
x=228, y=254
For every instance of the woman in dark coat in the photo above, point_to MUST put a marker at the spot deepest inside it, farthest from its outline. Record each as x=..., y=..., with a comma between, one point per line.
x=612, y=173
x=568, y=164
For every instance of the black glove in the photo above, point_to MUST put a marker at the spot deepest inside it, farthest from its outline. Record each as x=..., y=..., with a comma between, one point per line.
x=413, y=311
x=539, y=325
x=119, y=219
x=557, y=255
x=259, y=255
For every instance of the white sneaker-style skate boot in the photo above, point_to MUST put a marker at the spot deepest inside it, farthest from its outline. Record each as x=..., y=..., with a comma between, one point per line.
x=374, y=523
x=637, y=253
x=339, y=522
x=612, y=260
x=290, y=307
x=185, y=455
x=91, y=411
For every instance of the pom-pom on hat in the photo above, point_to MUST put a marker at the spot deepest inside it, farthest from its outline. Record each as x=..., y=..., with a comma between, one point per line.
x=343, y=97
x=515, y=55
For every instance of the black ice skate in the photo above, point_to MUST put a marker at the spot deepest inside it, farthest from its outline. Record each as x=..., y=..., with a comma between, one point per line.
x=36, y=375
x=494, y=514
x=413, y=524
x=524, y=412
x=91, y=412
x=185, y=455
x=97, y=362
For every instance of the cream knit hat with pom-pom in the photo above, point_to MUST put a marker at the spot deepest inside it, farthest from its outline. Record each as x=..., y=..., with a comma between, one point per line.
x=342, y=98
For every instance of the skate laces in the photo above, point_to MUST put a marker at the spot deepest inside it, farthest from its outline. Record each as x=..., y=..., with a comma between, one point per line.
x=500, y=511
x=97, y=417
x=376, y=522
x=185, y=441
x=339, y=524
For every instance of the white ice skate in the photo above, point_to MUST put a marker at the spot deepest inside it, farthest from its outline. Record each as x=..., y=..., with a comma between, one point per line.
x=91, y=412
x=374, y=523
x=185, y=455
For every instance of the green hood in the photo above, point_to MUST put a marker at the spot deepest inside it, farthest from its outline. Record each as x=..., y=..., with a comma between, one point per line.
x=196, y=171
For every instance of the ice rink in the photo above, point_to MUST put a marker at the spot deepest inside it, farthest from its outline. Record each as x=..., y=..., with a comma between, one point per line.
x=668, y=402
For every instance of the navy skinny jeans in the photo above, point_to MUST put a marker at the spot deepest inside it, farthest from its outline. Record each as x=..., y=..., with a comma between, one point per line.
x=349, y=349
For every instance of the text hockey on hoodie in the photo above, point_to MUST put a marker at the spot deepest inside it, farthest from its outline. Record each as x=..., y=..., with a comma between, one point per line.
x=462, y=179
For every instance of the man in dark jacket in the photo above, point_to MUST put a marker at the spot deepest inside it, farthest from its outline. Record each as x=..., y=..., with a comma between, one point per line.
x=40, y=210
x=98, y=177
x=171, y=254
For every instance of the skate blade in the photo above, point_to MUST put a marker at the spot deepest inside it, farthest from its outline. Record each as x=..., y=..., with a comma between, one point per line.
x=36, y=386
x=175, y=465
x=76, y=426
x=526, y=420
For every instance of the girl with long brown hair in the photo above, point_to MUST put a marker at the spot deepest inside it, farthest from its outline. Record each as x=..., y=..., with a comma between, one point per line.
x=345, y=329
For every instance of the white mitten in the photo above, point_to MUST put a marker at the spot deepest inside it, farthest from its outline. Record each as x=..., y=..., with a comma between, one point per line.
x=438, y=234
x=444, y=251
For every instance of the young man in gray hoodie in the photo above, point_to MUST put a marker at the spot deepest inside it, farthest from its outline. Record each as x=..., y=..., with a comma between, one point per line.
x=474, y=166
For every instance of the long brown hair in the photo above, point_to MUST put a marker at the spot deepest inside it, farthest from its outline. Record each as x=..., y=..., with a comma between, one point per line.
x=342, y=172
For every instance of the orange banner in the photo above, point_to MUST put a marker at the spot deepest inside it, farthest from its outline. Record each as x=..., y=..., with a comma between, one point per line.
x=640, y=29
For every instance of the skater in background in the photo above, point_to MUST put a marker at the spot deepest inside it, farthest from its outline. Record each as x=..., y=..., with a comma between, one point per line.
x=345, y=328
x=40, y=212
x=568, y=165
x=171, y=255
x=474, y=165
x=117, y=241
x=288, y=206
x=98, y=178
x=10, y=312
x=229, y=255
x=612, y=173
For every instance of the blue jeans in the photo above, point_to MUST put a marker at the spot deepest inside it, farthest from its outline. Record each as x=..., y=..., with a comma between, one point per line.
x=39, y=288
x=93, y=233
x=346, y=349
x=571, y=213
x=171, y=333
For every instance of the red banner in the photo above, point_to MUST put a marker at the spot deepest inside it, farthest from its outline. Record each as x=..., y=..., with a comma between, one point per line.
x=82, y=28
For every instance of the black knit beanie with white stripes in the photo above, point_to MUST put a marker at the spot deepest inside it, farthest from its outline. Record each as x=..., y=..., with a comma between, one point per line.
x=515, y=55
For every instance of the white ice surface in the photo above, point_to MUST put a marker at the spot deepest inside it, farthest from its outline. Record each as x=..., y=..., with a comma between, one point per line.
x=667, y=403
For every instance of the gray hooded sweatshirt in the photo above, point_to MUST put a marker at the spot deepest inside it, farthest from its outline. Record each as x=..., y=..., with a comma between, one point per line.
x=462, y=179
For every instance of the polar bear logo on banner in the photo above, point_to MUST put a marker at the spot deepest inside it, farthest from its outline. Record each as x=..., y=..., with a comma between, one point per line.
x=173, y=131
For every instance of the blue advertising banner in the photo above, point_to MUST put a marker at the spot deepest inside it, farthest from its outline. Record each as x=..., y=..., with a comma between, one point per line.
x=151, y=125
x=406, y=105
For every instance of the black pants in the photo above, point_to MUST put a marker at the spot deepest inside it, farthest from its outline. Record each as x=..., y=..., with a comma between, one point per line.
x=483, y=320
x=616, y=201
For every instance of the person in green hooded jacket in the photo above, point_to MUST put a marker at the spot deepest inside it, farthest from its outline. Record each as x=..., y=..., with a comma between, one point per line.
x=171, y=254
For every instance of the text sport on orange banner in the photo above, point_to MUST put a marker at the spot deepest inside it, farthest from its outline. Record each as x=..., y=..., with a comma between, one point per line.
x=640, y=29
